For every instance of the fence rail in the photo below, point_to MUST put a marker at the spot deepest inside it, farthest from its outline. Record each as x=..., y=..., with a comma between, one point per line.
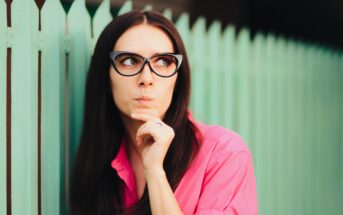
x=283, y=96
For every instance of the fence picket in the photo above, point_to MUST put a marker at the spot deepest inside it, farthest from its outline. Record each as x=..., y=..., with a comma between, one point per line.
x=3, y=50
x=261, y=168
x=24, y=95
x=53, y=108
x=197, y=64
x=243, y=76
x=214, y=67
x=79, y=57
x=229, y=44
x=281, y=81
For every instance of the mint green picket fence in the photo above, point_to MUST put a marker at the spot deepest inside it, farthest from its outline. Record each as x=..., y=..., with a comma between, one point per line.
x=283, y=96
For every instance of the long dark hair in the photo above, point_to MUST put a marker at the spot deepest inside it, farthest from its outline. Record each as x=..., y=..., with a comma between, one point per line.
x=95, y=187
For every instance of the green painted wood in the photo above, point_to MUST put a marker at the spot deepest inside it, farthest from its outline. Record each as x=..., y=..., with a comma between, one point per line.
x=24, y=107
x=243, y=84
x=294, y=129
x=168, y=14
x=287, y=171
x=271, y=119
x=317, y=155
x=308, y=147
x=101, y=18
x=79, y=57
x=229, y=66
x=302, y=124
x=53, y=108
x=260, y=165
x=3, y=51
x=182, y=25
x=148, y=7
x=196, y=56
x=285, y=122
x=282, y=96
x=127, y=6
x=278, y=141
x=214, y=70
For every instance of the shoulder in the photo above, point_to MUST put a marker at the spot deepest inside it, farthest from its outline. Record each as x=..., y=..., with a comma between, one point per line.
x=221, y=140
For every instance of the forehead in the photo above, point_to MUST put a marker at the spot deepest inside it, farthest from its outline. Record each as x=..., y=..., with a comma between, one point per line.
x=144, y=39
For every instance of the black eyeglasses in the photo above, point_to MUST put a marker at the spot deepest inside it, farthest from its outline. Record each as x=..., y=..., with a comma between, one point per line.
x=130, y=64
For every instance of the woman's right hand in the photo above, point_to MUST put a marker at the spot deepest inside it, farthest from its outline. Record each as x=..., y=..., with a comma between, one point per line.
x=153, y=139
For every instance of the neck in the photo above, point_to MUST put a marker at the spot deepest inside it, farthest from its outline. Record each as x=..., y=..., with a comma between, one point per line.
x=131, y=126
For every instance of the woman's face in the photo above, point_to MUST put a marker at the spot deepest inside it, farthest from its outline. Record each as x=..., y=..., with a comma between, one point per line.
x=145, y=92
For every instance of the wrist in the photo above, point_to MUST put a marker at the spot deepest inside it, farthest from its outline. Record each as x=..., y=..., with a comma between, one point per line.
x=155, y=171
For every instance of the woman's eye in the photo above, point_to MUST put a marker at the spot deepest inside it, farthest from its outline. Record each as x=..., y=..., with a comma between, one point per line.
x=163, y=62
x=129, y=61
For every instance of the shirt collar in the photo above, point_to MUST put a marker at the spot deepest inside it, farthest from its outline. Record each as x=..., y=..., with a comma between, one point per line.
x=122, y=165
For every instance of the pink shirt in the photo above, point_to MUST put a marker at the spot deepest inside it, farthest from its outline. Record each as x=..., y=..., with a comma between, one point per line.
x=220, y=180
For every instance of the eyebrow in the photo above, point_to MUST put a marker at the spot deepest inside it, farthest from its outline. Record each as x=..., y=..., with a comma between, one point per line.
x=153, y=54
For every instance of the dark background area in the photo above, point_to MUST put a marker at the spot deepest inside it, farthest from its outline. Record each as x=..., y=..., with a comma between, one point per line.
x=318, y=21
x=313, y=21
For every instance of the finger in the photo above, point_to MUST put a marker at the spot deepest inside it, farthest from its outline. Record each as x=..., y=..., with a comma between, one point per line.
x=146, y=129
x=145, y=138
x=153, y=130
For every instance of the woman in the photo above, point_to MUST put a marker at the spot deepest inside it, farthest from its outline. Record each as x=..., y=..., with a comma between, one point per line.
x=141, y=152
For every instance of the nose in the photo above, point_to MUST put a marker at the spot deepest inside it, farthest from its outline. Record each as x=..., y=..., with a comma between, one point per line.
x=146, y=76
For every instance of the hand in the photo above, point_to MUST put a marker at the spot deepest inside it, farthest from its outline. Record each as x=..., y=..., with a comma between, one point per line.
x=153, y=139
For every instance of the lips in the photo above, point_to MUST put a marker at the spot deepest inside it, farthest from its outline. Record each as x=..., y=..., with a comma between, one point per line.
x=143, y=100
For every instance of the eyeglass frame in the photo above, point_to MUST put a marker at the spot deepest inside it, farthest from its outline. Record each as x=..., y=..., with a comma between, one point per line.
x=114, y=54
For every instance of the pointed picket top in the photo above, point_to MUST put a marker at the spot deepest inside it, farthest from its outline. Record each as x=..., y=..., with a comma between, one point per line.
x=229, y=32
x=148, y=7
x=214, y=39
x=183, y=21
x=214, y=28
x=258, y=38
x=259, y=50
x=127, y=7
x=168, y=14
x=199, y=26
x=281, y=45
x=243, y=50
x=243, y=36
x=101, y=18
x=270, y=44
x=229, y=43
x=79, y=20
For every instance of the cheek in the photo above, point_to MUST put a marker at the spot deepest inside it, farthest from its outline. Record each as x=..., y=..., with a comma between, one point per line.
x=169, y=91
x=119, y=92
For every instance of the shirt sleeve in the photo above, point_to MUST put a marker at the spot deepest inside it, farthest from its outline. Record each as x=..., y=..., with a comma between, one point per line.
x=229, y=186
